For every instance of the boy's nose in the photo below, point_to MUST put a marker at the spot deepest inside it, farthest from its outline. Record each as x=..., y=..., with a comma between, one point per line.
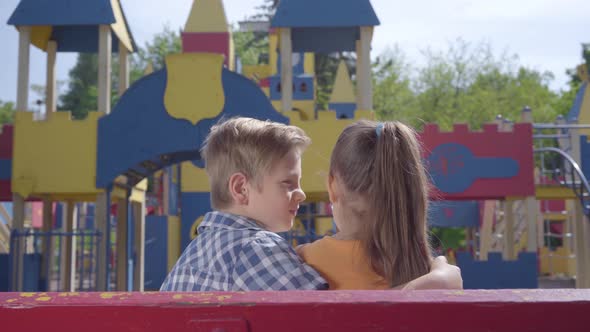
x=299, y=195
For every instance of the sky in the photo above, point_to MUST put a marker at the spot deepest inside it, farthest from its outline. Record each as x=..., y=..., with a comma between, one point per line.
x=545, y=34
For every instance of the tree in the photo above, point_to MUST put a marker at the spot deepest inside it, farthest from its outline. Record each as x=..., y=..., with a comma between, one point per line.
x=82, y=93
x=166, y=42
x=6, y=112
x=82, y=88
x=393, y=98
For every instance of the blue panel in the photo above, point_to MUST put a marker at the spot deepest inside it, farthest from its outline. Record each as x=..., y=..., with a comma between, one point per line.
x=454, y=214
x=498, y=274
x=156, y=251
x=90, y=216
x=324, y=13
x=31, y=272
x=4, y=272
x=62, y=12
x=5, y=169
x=80, y=39
x=326, y=40
x=139, y=128
x=59, y=213
x=194, y=205
x=343, y=110
x=454, y=168
x=574, y=113
x=303, y=87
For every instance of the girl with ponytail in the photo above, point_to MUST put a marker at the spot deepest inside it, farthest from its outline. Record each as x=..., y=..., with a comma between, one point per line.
x=379, y=193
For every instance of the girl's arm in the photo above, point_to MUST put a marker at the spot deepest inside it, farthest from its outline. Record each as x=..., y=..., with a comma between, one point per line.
x=442, y=275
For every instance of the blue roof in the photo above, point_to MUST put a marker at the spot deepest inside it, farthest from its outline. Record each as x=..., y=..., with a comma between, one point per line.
x=324, y=13
x=62, y=12
x=73, y=24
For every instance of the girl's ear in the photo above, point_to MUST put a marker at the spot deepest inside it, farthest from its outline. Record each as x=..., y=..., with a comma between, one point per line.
x=238, y=188
x=333, y=192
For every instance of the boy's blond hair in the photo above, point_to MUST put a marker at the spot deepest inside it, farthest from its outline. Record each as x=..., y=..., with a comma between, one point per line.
x=249, y=146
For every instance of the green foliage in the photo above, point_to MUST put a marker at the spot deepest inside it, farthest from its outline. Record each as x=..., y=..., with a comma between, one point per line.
x=464, y=84
x=82, y=93
x=166, y=42
x=250, y=47
x=6, y=112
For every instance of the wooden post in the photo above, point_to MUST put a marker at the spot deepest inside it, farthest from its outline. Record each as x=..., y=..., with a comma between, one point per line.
x=46, y=243
x=123, y=69
x=69, y=259
x=122, y=254
x=139, y=222
x=531, y=214
x=18, y=224
x=101, y=215
x=581, y=255
x=485, y=232
x=50, y=89
x=508, y=250
x=22, y=92
x=364, y=84
x=104, y=69
x=286, y=50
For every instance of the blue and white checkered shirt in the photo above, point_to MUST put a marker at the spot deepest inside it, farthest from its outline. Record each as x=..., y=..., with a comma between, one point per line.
x=232, y=253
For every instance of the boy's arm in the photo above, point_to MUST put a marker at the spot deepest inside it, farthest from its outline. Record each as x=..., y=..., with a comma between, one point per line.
x=442, y=275
x=267, y=264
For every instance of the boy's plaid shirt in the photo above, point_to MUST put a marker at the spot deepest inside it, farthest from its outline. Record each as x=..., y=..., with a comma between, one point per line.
x=232, y=253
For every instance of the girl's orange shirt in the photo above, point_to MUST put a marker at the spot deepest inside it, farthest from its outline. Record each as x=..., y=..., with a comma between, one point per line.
x=343, y=263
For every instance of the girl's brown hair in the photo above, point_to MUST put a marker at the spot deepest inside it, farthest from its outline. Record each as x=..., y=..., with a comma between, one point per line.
x=382, y=164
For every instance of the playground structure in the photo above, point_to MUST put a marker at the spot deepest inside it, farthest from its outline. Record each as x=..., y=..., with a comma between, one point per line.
x=159, y=123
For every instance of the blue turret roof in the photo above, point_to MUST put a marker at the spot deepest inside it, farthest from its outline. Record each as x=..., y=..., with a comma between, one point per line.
x=73, y=24
x=324, y=13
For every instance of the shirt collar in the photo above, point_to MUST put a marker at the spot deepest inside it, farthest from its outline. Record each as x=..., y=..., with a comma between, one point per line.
x=218, y=219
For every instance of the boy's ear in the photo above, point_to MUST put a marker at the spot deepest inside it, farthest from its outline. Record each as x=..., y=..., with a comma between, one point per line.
x=238, y=188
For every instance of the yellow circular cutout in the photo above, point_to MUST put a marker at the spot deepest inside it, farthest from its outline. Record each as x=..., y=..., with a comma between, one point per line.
x=193, y=232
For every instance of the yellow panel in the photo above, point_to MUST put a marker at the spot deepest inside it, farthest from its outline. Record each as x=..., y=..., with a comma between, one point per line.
x=256, y=72
x=193, y=179
x=584, y=117
x=555, y=216
x=554, y=192
x=173, y=240
x=194, y=89
x=323, y=226
x=119, y=27
x=560, y=261
x=40, y=35
x=323, y=132
x=232, y=53
x=273, y=46
x=56, y=156
x=343, y=91
x=309, y=64
x=207, y=16
x=305, y=108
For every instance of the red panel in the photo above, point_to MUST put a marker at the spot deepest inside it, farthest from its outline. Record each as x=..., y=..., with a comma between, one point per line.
x=6, y=141
x=212, y=42
x=555, y=205
x=488, y=143
x=5, y=191
x=502, y=310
